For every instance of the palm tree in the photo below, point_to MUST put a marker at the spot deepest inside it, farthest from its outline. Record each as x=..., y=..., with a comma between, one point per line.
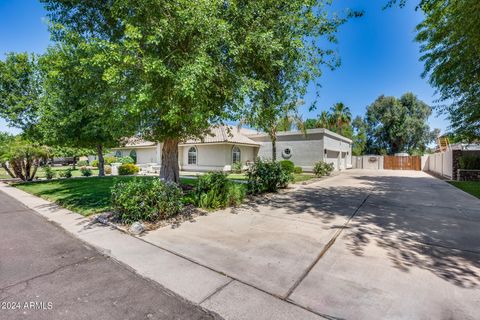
x=324, y=120
x=341, y=116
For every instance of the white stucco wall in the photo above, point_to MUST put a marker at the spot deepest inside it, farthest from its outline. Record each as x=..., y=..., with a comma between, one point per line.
x=147, y=155
x=213, y=157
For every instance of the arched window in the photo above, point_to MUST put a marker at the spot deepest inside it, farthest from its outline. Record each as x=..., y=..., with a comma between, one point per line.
x=133, y=155
x=192, y=155
x=236, y=155
x=118, y=154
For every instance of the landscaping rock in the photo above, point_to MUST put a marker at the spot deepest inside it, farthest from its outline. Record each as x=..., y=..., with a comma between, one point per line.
x=136, y=228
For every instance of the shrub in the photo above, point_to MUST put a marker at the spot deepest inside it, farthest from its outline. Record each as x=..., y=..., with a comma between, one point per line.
x=321, y=168
x=126, y=160
x=469, y=162
x=146, y=199
x=128, y=169
x=49, y=173
x=108, y=169
x=298, y=170
x=94, y=163
x=65, y=173
x=214, y=191
x=110, y=160
x=85, y=172
x=82, y=163
x=267, y=176
x=287, y=166
x=237, y=167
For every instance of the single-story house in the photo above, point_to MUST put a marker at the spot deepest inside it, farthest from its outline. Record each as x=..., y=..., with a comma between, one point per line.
x=227, y=145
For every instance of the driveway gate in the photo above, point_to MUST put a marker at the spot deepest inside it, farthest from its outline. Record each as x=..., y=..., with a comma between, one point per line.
x=402, y=163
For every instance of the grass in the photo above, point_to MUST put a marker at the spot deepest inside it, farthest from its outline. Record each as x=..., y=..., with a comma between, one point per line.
x=41, y=172
x=472, y=187
x=83, y=195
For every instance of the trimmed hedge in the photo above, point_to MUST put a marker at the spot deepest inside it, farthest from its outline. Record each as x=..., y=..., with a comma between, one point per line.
x=267, y=176
x=287, y=166
x=128, y=169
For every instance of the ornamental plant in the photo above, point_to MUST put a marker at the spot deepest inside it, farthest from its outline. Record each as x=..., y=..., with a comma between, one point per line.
x=128, y=169
x=321, y=168
x=267, y=176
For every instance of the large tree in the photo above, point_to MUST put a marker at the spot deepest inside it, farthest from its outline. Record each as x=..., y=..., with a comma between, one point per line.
x=359, y=136
x=183, y=66
x=20, y=91
x=397, y=125
x=450, y=46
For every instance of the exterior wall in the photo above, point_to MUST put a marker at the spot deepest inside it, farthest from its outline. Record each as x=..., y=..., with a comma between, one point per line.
x=214, y=157
x=147, y=155
x=468, y=175
x=306, y=150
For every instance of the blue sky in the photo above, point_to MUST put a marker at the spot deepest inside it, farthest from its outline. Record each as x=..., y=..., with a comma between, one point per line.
x=378, y=54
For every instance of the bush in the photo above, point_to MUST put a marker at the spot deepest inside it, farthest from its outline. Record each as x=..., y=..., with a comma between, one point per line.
x=65, y=173
x=94, y=163
x=297, y=170
x=85, y=172
x=108, y=169
x=267, y=176
x=126, y=160
x=128, y=169
x=146, y=199
x=49, y=173
x=214, y=191
x=287, y=166
x=82, y=163
x=321, y=168
x=469, y=162
x=109, y=160
x=237, y=167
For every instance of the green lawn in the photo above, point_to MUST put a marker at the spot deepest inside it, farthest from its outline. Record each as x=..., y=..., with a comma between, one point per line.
x=82, y=195
x=472, y=187
x=41, y=172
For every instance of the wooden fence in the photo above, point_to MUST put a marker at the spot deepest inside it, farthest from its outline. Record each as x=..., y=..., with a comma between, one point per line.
x=402, y=163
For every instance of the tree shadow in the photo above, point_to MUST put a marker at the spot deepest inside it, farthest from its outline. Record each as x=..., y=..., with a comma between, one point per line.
x=418, y=221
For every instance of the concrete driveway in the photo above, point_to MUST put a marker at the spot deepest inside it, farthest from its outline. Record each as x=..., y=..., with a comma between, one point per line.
x=361, y=245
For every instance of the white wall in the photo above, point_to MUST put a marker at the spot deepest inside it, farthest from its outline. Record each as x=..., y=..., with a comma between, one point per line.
x=441, y=163
x=147, y=155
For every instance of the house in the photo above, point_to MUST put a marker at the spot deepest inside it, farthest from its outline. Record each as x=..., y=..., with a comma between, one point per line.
x=226, y=145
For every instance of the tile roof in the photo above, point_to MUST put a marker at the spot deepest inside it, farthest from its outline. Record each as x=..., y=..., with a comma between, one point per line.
x=219, y=134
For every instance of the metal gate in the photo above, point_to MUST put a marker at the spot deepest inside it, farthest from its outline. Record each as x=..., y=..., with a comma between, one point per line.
x=402, y=163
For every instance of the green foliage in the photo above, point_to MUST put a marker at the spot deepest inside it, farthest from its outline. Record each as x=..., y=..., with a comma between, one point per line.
x=338, y=120
x=126, y=160
x=359, y=136
x=267, y=176
x=108, y=169
x=65, y=173
x=298, y=170
x=287, y=166
x=82, y=163
x=85, y=172
x=128, y=169
x=397, y=125
x=133, y=155
x=146, y=200
x=321, y=168
x=214, y=191
x=469, y=162
x=94, y=163
x=49, y=173
x=450, y=43
x=110, y=160
x=237, y=167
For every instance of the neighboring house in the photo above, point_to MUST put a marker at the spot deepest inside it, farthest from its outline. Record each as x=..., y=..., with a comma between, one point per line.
x=227, y=145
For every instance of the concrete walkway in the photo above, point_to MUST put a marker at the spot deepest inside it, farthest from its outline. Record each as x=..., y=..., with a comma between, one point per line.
x=361, y=245
x=46, y=273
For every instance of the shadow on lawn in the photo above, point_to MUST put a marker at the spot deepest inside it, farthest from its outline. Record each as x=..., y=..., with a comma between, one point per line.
x=419, y=222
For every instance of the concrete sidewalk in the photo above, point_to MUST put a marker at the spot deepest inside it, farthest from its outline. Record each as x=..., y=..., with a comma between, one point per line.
x=198, y=284
x=46, y=273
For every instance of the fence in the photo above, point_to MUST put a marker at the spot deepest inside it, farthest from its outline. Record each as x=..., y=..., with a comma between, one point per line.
x=441, y=164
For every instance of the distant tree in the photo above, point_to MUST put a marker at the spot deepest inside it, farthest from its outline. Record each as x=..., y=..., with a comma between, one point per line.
x=397, y=125
x=359, y=136
x=340, y=117
x=310, y=123
x=67, y=152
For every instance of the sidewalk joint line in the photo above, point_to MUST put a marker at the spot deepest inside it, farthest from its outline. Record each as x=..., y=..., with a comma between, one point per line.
x=216, y=291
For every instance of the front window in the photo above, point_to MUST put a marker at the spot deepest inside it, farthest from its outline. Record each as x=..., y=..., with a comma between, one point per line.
x=192, y=155
x=236, y=155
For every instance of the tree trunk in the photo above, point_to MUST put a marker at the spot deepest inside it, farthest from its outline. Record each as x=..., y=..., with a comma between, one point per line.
x=36, y=163
x=74, y=162
x=274, y=148
x=7, y=169
x=170, y=170
x=101, y=161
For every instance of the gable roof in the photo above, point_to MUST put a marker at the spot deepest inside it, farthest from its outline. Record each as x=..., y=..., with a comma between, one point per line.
x=223, y=134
